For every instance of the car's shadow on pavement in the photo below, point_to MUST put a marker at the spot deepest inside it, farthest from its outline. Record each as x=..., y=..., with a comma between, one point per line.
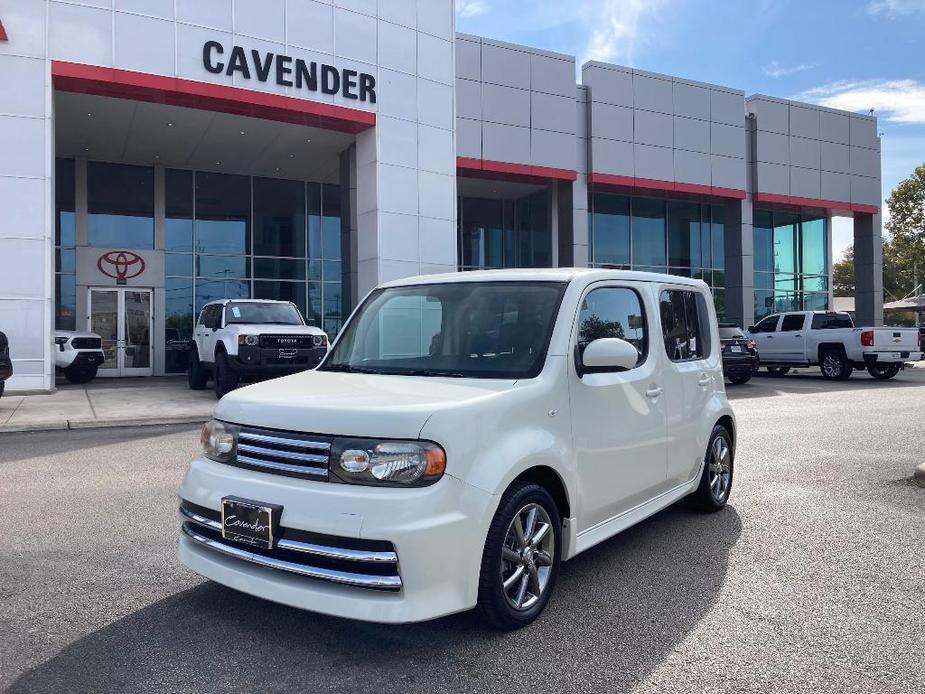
x=808, y=382
x=619, y=610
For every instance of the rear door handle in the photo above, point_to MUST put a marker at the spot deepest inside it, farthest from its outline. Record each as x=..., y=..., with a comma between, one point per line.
x=653, y=392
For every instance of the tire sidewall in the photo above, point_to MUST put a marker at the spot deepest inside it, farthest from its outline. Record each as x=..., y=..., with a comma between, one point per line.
x=703, y=497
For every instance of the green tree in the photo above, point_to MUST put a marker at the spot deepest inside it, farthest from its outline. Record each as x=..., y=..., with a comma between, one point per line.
x=843, y=274
x=904, y=252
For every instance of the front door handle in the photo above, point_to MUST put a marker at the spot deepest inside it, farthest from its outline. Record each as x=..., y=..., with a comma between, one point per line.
x=705, y=380
x=770, y=337
x=653, y=392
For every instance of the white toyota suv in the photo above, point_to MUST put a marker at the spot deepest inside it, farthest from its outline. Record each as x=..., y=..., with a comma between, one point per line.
x=466, y=434
x=238, y=339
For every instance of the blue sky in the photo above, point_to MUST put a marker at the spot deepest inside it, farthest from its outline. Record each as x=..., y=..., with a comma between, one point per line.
x=850, y=54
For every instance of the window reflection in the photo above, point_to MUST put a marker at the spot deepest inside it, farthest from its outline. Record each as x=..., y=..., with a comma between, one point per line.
x=120, y=205
x=65, y=243
x=222, y=213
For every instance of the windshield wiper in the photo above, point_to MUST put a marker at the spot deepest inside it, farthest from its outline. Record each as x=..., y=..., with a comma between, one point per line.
x=349, y=369
x=431, y=372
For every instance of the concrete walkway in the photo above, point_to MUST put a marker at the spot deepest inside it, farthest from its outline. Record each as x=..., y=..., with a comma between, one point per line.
x=107, y=403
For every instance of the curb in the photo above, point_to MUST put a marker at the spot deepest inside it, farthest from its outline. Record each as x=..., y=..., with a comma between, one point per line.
x=918, y=475
x=102, y=423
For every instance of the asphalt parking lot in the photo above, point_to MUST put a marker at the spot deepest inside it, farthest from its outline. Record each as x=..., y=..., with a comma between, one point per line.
x=813, y=579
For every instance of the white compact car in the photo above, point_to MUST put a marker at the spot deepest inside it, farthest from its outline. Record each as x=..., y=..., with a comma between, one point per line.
x=78, y=355
x=465, y=434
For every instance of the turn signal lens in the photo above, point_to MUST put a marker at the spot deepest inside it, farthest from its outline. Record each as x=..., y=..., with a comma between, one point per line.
x=354, y=461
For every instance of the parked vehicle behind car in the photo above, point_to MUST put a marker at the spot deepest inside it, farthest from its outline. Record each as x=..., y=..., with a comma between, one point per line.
x=78, y=355
x=6, y=364
x=466, y=433
x=740, y=358
x=237, y=340
x=831, y=341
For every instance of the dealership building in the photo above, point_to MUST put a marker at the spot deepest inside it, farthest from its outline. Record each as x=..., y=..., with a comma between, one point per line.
x=159, y=154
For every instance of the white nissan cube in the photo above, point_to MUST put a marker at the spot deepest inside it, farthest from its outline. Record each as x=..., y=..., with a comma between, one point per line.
x=465, y=435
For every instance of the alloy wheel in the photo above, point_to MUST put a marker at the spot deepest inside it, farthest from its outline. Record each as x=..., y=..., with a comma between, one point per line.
x=831, y=365
x=720, y=469
x=527, y=556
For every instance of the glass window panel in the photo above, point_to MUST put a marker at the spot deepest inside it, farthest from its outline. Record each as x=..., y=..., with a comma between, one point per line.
x=718, y=236
x=313, y=310
x=65, y=302
x=212, y=290
x=680, y=271
x=332, y=270
x=279, y=268
x=815, y=302
x=120, y=203
x=314, y=220
x=178, y=323
x=763, y=235
x=279, y=217
x=331, y=221
x=764, y=280
x=785, y=282
x=683, y=234
x=178, y=264
x=65, y=204
x=648, y=232
x=482, y=233
x=786, y=301
x=314, y=270
x=815, y=257
x=222, y=266
x=764, y=304
x=815, y=283
x=784, y=246
x=533, y=237
x=178, y=198
x=333, y=306
x=65, y=260
x=613, y=312
x=719, y=278
x=719, y=301
x=222, y=213
x=610, y=227
x=282, y=291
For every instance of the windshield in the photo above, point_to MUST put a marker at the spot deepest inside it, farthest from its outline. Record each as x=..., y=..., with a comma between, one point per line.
x=260, y=313
x=460, y=329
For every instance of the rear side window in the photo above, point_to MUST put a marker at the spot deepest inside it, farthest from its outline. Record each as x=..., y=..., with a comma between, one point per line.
x=685, y=324
x=831, y=321
x=613, y=312
x=792, y=323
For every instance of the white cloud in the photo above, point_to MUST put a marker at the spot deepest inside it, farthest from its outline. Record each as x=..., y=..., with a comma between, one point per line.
x=775, y=70
x=896, y=101
x=616, y=27
x=896, y=8
x=471, y=8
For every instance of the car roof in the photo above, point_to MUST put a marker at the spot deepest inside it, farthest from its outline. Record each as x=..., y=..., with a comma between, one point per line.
x=222, y=302
x=562, y=274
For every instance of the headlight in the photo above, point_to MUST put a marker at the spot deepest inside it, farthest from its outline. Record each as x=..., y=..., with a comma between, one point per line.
x=249, y=340
x=219, y=440
x=387, y=463
x=319, y=340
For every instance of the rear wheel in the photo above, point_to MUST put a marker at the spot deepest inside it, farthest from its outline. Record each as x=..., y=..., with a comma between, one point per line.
x=521, y=557
x=778, y=370
x=80, y=374
x=835, y=366
x=226, y=380
x=196, y=373
x=716, y=481
x=883, y=373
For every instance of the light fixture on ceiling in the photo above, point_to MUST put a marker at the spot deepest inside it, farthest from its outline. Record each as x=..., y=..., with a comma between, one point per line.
x=308, y=142
x=218, y=163
x=277, y=168
x=89, y=115
x=292, y=156
x=169, y=124
x=242, y=132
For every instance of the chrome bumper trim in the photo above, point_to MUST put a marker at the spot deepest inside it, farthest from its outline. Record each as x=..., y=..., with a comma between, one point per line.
x=392, y=583
x=340, y=553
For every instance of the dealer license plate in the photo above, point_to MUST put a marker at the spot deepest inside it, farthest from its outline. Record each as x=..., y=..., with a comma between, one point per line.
x=250, y=522
x=736, y=348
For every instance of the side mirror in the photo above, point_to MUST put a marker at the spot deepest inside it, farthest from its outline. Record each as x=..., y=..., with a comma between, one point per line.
x=609, y=354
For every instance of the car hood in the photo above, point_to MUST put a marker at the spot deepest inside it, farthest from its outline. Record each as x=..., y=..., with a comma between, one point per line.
x=324, y=402
x=273, y=329
x=74, y=333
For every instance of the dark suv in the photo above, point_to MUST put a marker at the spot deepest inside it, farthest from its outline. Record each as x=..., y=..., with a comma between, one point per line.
x=740, y=358
x=6, y=365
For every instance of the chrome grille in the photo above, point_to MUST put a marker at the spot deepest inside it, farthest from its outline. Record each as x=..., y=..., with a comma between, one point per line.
x=359, y=563
x=283, y=453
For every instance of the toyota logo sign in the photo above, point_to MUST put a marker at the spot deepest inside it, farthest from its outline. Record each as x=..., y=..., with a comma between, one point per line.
x=121, y=265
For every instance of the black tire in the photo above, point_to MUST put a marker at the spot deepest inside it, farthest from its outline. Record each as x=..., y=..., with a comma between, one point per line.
x=778, y=370
x=80, y=374
x=493, y=603
x=2, y=386
x=739, y=379
x=883, y=373
x=834, y=365
x=197, y=375
x=226, y=380
x=707, y=498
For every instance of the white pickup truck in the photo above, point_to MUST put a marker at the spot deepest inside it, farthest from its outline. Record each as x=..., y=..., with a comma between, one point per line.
x=251, y=339
x=831, y=341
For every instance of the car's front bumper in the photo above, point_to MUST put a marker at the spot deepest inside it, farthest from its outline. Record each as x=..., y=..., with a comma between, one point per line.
x=437, y=532
x=257, y=361
x=79, y=358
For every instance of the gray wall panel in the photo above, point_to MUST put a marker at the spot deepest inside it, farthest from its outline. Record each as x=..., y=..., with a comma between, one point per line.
x=505, y=143
x=692, y=134
x=501, y=104
x=727, y=107
x=773, y=178
x=833, y=127
x=653, y=162
x=728, y=172
x=772, y=116
x=609, y=86
x=805, y=152
x=692, y=167
x=804, y=122
x=652, y=94
x=728, y=140
x=864, y=162
x=865, y=191
x=651, y=128
x=612, y=157
x=552, y=112
x=772, y=147
x=863, y=132
x=805, y=183
x=835, y=157
x=468, y=98
x=612, y=122
x=835, y=186
x=468, y=60
x=552, y=75
x=468, y=138
x=691, y=100
x=505, y=66
x=553, y=149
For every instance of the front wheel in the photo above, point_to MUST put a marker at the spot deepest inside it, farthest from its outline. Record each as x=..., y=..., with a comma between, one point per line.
x=80, y=374
x=197, y=375
x=883, y=373
x=716, y=480
x=226, y=380
x=520, y=562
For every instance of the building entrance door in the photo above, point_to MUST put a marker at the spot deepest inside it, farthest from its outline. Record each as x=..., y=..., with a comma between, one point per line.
x=122, y=317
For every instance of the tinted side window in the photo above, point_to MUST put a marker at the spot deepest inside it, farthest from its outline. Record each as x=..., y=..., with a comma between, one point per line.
x=767, y=325
x=684, y=324
x=613, y=312
x=831, y=321
x=792, y=322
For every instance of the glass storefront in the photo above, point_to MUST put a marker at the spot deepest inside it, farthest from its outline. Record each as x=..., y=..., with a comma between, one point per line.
x=504, y=233
x=655, y=235
x=791, y=262
x=65, y=246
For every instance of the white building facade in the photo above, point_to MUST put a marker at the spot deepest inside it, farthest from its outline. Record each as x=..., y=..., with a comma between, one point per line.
x=158, y=154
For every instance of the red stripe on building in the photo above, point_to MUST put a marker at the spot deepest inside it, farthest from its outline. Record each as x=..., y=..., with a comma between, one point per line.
x=651, y=184
x=174, y=91
x=829, y=205
x=485, y=168
x=3, y=36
